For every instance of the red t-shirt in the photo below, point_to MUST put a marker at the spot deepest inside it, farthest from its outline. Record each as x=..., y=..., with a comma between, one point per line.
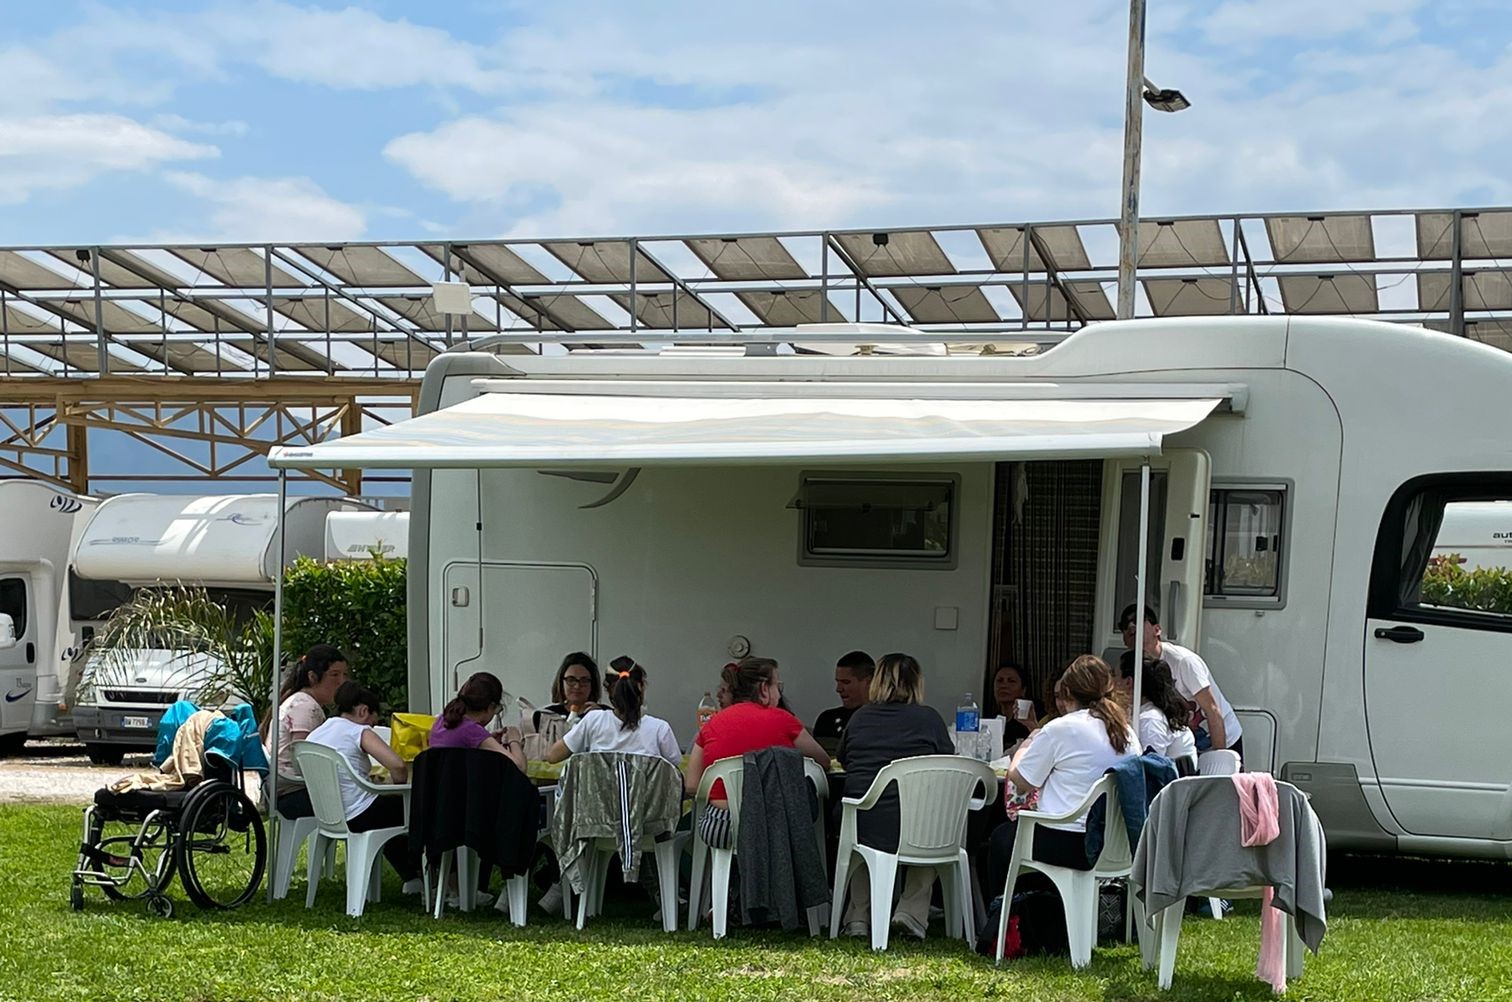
x=745, y=727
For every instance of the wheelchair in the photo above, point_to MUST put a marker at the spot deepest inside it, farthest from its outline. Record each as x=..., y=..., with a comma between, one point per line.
x=211, y=835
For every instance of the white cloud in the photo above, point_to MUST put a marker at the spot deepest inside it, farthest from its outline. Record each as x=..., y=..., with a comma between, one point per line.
x=178, y=123
x=1248, y=21
x=259, y=208
x=40, y=152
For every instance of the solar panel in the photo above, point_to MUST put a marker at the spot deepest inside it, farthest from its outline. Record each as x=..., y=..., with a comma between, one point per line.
x=656, y=309
x=1005, y=247
x=288, y=357
x=1320, y=239
x=895, y=255
x=1047, y=303
x=488, y=264
x=1189, y=297
x=1483, y=235
x=747, y=259
x=563, y=311
x=116, y=318
x=1346, y=293
x=370, y=267
x=83, y=356
x=20, y=322
x=23, y=273
x=10, y=365
x=408, y=354
x=1167, y=243
x=1482, y=290
x=184, y=356
x=790, y=308
x=211, y=315
x=606, y=262
x=237, y=267
x=311, y=314
x=112, y=275
x=936, y=304
x=421, y=311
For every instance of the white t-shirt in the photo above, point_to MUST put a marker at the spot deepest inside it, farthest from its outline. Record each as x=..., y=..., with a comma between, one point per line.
x=346, y=737
x=1155, y=732
x=1192, y=676
x=1066, y=758
x=603, y=732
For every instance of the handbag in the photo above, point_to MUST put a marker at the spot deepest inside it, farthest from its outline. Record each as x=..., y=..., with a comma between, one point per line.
x=539, y=730
x=411, y=733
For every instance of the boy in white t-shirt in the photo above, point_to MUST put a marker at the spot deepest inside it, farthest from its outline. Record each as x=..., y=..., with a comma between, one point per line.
x=1193, y=679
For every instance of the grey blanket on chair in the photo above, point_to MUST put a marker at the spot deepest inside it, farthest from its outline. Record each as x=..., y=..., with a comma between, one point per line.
x=781, y=872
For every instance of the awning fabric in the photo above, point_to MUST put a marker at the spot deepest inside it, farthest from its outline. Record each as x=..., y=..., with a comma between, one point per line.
x=501, y=429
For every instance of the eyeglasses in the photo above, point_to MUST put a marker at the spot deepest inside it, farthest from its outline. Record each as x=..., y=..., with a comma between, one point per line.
x=577, y=680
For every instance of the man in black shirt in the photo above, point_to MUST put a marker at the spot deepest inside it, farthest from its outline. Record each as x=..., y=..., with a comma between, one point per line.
x=853, y=675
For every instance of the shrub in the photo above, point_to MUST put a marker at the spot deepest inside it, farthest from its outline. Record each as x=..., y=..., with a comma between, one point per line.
x=358, y=605
x=1448, y=584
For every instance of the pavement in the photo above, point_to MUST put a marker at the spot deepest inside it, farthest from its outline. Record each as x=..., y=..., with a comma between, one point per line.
x=59, y=772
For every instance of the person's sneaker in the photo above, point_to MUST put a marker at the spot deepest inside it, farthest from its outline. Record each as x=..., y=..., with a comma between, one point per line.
x=911, y=924
x=481, y=899
x=551, y=901
x=412, y=886
x=858, y=929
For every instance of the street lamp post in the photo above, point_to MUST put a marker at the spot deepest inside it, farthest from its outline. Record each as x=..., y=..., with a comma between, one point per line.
x=1139, y=90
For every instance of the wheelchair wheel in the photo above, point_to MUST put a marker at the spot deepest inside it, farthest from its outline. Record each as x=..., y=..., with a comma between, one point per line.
x=221, y=848
x=127, y=882
x=160, y=905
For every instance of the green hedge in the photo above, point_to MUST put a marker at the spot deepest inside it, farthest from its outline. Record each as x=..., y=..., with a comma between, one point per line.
x=358, y=605
x=1448, y=584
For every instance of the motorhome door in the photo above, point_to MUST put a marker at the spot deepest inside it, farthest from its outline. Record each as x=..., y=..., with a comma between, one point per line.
x=517, y=625
x=1179, y=486
x=18, y=663
x=1437, y=649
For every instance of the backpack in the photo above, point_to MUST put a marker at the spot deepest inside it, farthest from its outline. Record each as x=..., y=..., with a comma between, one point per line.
x=1037, y=924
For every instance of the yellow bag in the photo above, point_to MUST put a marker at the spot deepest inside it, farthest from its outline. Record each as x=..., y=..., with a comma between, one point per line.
x=411, y=734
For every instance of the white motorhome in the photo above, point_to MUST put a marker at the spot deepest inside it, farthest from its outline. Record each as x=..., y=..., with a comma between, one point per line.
x=364, y=535
x=38, y=654
x=686, y=506
x=1478, y=533
x=226, y=544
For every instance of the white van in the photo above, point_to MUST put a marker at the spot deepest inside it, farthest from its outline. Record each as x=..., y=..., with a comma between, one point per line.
x=226, y=544
x=1478, y=533
x=40, y=634
x=687, y=506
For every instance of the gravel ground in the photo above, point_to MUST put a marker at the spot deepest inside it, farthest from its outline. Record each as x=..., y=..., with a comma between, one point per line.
x=58, y=772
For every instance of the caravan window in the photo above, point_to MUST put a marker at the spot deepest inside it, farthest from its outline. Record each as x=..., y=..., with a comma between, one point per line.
x=13, y=602
x=877, y=519
x=1246, y=540
x=1444, y=553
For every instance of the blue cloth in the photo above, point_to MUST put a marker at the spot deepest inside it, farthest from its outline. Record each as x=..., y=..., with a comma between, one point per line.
x=1138, y=778
x=232, y=737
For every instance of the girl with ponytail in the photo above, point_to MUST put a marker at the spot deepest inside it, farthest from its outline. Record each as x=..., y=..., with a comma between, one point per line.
x=463, y=722
x=628, y=728
x=1063, y=760
x=307, y=689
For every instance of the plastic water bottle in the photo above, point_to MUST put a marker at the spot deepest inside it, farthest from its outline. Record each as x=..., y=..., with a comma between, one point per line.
x=968, y=727
x=707, y=707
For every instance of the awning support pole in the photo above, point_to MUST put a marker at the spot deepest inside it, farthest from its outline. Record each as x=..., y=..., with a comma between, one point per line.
x=278, y=614
x=1140, y=600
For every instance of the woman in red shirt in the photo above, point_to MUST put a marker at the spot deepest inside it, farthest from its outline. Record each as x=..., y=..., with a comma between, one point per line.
x=752, y=721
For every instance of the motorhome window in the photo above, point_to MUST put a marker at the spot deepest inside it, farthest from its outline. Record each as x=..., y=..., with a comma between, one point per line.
x=1245, y=544
x=13, y=602
x=1128, y=538
x=1470, y=565
x=90, y=600
x=877, y=520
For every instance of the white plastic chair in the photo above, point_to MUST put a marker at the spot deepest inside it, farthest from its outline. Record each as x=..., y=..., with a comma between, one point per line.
x=321, y=768
x=934, y=794
x=1078, y=888
x=1218, y=762
x=288, y=836
x=599, y=852
x=732, y=772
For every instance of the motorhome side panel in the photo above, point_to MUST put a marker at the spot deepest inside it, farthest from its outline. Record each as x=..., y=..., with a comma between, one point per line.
x=691, y=557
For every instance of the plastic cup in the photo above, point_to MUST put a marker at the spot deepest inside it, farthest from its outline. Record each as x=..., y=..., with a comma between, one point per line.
x=1022, y=708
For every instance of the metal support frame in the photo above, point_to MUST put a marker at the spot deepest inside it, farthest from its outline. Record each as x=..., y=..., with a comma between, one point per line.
x=863, y=281
x=1457, y=276
x=1053, y=280
x=277, y=674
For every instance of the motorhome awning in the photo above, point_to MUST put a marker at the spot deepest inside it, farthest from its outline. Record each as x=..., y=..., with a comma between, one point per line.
x=555, y=429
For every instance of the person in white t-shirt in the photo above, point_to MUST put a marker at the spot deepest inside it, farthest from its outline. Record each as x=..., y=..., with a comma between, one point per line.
x=628, y=728
x=1163, y=718
x=1063, y=760
x=1193, y=679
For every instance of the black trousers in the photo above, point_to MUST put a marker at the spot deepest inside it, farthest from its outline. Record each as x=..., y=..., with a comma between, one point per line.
x=295, y=804
x=1051, y=845
x=388, y=812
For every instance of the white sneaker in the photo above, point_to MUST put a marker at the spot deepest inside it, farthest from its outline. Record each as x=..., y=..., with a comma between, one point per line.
x=481, y=899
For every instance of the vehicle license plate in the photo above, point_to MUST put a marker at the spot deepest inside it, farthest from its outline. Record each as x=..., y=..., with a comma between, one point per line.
x=139, y=722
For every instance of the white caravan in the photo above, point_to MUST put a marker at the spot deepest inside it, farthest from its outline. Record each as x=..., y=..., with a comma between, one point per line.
x=364, y=535
x=40, y=636
x=226, y=544
x=1479, y=533
x=684, y=507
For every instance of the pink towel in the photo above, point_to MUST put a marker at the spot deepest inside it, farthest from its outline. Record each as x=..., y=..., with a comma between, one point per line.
x=1259, y=824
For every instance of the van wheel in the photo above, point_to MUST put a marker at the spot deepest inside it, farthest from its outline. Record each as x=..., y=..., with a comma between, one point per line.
x=105, y=754
x=11, y=744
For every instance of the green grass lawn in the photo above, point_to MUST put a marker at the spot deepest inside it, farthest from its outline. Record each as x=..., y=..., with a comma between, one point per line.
x=1399, y=929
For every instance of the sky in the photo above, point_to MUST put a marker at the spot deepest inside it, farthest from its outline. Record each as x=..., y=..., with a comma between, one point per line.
x=272, y=120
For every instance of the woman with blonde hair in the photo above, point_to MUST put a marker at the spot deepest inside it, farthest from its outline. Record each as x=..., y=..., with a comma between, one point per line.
x=894, y=724
x=1063, y=760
